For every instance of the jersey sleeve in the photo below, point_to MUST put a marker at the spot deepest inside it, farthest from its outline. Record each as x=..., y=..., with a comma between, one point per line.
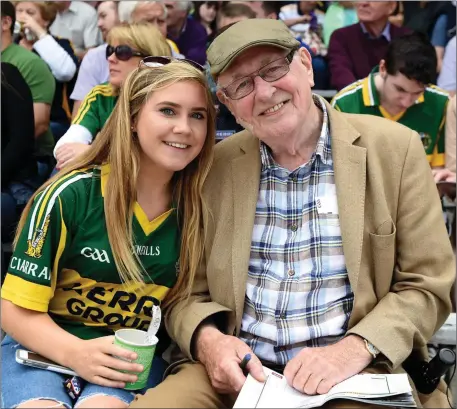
x=31, y=278
x=89, y=112
x=438, y=155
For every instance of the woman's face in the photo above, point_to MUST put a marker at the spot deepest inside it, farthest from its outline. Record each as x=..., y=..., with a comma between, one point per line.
x=207, y=13
x=31, y=9
x=172, y=126
x=119, y=69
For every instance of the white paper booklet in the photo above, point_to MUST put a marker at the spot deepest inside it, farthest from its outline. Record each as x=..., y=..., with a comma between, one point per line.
x=387, y=390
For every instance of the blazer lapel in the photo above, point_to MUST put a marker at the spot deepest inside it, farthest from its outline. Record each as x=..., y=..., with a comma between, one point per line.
x=350, y=179
x=246, y=178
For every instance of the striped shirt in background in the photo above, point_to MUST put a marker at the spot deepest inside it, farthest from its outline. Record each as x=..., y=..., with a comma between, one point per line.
x=298, y=293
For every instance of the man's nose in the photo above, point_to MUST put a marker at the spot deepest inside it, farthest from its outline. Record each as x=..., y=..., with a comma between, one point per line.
x=263, y=89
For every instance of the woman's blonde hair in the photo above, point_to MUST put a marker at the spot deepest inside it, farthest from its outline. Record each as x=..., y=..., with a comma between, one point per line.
x=143, y=37
x=117, y=146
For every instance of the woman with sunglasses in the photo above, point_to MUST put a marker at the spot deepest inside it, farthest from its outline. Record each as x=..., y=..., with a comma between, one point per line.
x=127, y=45
x=114, y=233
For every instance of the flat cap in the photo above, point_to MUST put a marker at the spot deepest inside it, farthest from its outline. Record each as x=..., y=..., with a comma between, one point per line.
x=244, y=35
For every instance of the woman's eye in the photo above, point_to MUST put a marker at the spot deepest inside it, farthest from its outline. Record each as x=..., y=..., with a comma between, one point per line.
x=167, y=111
x=198, y=115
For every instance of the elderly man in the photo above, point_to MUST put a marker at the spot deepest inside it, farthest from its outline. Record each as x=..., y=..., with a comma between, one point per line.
x=326, y=253
x=356, y=49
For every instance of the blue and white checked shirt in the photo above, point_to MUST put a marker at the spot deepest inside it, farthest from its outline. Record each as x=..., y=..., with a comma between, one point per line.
x=298, y=293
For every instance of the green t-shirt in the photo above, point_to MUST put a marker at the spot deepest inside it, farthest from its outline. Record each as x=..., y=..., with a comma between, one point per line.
x=42, y=85
x=427, y=116
x=96, y=108
x=63, y=263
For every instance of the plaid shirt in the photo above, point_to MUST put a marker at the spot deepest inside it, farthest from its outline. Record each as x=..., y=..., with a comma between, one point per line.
x=298, y=293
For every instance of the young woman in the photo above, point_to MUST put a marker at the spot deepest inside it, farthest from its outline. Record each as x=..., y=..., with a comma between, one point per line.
x=205, y=12
x=111, y=235
x=127, y=45
x=35, y=18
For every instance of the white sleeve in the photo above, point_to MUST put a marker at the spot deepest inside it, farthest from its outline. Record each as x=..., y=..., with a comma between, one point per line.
x=61, y=64
x=75, y=134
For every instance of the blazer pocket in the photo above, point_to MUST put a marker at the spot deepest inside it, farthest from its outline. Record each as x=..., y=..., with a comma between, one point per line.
x=385, y=236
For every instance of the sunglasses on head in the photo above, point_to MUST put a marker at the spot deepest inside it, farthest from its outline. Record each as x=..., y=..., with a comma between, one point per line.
x=122, y=52
x=156, y=61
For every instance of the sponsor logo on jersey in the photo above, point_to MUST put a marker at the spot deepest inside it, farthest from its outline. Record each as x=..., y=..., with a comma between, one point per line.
x=96, y=254
x=35, y=244
x=147, y=250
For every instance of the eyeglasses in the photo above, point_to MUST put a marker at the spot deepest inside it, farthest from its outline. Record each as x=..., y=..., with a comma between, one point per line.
x=271, y=72
x=156, y=61
x=122, y=52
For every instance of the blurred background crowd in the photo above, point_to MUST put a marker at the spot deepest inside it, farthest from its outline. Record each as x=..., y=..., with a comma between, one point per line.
x=63, y=63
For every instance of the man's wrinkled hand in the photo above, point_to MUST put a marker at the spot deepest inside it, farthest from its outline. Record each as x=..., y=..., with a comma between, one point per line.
x=222, y=354
x=317, y=370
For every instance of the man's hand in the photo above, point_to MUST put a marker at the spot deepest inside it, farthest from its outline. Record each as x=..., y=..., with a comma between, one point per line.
x=316, y=370
x=221, y=354
x=443, y=175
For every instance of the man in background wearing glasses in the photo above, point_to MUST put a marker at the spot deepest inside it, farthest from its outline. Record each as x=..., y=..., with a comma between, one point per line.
x=326, y=251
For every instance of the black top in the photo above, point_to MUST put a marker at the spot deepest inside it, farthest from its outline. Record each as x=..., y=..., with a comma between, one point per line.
x=18, y=127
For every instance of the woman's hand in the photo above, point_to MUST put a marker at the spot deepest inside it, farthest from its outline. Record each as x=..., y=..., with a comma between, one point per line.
x=30, y=23
x=99, y=361
x=69, y=151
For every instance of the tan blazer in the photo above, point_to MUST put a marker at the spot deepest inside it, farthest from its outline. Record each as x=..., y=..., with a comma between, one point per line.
x=398, y=255
x=450, y=135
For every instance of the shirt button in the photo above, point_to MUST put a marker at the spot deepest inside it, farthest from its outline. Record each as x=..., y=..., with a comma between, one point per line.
x=283, y=316
x=294, y=227
x=295, y=179
x=291, y=273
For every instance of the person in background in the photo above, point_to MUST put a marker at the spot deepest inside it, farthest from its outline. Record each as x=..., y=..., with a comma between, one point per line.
x=154, y=12
x=370, y=38
x=42, y=85
x=18, y=164
x=264, y=9
x=326, y=253
x=123, y=221
x=338, y=15
x=233, y=12
x=400, y=90
x=94, y=68
x=188, y=34
x=447, y=77
x=77, y=21
x=301, y=15
x=128, y=44
x=206, y=12
x=36, y=17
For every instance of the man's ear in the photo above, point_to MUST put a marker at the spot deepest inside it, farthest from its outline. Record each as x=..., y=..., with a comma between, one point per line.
x=306, y=60
x=222, y=97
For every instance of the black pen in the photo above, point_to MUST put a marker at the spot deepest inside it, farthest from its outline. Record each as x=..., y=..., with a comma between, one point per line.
x=244, y=363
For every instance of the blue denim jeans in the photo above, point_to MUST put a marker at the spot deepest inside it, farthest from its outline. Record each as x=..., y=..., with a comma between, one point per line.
x=21, y=383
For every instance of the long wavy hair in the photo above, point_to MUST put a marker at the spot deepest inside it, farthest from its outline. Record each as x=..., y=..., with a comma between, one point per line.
x=117, y=146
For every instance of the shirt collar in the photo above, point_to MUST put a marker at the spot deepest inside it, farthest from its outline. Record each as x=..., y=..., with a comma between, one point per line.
x=370, y=93
x=322, y=147
x=385, y=33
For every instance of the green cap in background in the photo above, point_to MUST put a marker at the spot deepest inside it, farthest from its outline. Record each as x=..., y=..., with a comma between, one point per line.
x=244, y=35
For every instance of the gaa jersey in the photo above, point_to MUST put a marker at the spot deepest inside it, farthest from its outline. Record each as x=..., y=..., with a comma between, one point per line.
x=63, y=263
x=427, y=116
x=96, y=108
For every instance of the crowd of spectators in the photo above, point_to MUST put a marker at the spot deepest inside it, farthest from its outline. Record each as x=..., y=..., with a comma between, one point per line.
x=59, y=59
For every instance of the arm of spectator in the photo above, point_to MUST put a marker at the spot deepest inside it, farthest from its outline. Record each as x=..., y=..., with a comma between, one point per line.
x=419, y=298
x=75, y=134
x=88, y=78
x=62, y=64
x=42, y=114
x=76, y=106
x=340, y=64
x=450, y=157
x=297, y=20
x=18, y=122
x=447, y=77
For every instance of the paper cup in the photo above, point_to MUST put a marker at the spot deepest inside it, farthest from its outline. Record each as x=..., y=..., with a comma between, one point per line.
x=136, y=341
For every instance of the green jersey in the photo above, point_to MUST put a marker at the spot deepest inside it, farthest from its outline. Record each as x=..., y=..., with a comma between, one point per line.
x=427, y=116
x=63, y=263
x=96, y=108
